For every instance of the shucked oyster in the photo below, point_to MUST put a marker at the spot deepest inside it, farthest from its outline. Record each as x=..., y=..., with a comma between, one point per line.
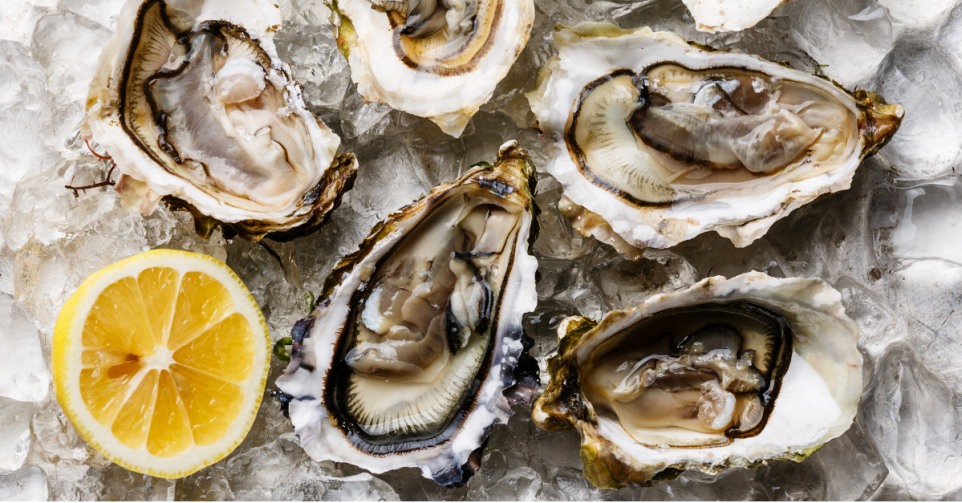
x=439, y=59
x=657, y=141
x=417, y=350
x=195, y=107
x=727, y=373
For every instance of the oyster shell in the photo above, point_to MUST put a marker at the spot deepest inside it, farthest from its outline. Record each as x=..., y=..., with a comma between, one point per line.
x=656, y=140
x=195, y=107
x=435, y=59
x=714, y=16
x=417, y=349
x=727, y=373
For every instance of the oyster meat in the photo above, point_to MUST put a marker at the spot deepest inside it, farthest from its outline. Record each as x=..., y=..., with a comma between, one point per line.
x=195, y=107
x=727, y=373
x=714, y=16
x=656, y=140
x=417, y=349
x=439, y=59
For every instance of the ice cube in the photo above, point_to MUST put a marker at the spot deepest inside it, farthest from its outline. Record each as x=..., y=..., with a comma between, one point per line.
x=626, y=283
x=359, y=116
x=520, y=484
x=23, y=370
x=26, y=484
x=68, y=47
x=918, y=222
x=917, y=75
x=23, y=102
x=281, y=470
x=19, y=17
x=14, y=433
x=821, y=27
x=950, y=35
x=392, y=184
x=926, y=295
x=879, y=325
x=102, y=12
x=917, y=15
x=913, y=417
x=556, y=238
x=317, y=63
x=360, y=487
x=851, y=466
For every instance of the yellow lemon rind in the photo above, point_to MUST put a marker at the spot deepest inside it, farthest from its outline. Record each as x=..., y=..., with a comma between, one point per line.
x=66, y=343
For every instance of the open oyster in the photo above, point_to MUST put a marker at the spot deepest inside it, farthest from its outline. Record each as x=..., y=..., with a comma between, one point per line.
x=195, y=107
x=439, y=59
x=730, y=372
x=656, y=140
x=417, y=349
x=730, y=15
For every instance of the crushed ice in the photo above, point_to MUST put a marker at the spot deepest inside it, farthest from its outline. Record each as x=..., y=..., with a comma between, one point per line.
x=901, y=287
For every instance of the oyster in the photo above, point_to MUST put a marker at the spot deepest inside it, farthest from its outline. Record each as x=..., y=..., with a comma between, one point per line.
x=439, y=59
x=727, y=373
x=730, y=15
x=656, y=140
x=417, y=349
x=195, y=107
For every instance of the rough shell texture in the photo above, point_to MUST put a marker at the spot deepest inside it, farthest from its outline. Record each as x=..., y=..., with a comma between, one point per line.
x=510, y=378
x=741, y=214
x=366, y=39
x=817, y=402
x=145, y=181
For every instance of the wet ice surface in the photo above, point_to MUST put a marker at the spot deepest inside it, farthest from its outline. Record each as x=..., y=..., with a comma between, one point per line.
x=891, y=245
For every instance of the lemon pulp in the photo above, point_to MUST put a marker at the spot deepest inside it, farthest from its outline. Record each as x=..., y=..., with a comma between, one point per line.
x=167, y=362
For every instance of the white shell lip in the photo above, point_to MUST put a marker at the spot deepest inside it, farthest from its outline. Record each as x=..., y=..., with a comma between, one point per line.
x=449, y=101
x=443, y=462
x=817, y=402
x=260, y=19
x=713, y=16
x=743, y=214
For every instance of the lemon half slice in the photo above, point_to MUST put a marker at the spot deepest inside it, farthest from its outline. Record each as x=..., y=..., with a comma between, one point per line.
x=160, y=361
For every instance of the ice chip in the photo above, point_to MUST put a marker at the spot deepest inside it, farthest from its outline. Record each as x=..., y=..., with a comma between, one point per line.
x=14, y=434
x=23, y=371
x=27, y=484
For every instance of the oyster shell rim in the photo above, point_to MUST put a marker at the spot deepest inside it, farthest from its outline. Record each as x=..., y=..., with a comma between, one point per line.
x=609, y=465
x=255, y=20
x=451, y=120
x=452, y=461
x=663, y=226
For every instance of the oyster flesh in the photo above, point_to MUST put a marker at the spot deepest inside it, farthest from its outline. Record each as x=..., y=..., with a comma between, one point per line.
x=727, y=373
x=196, y=108
x=417, y=349
x=439, y=59
x=656, y=140
x=714, y=16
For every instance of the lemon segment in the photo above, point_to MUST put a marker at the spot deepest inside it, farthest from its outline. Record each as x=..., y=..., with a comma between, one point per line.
x=160, y=361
